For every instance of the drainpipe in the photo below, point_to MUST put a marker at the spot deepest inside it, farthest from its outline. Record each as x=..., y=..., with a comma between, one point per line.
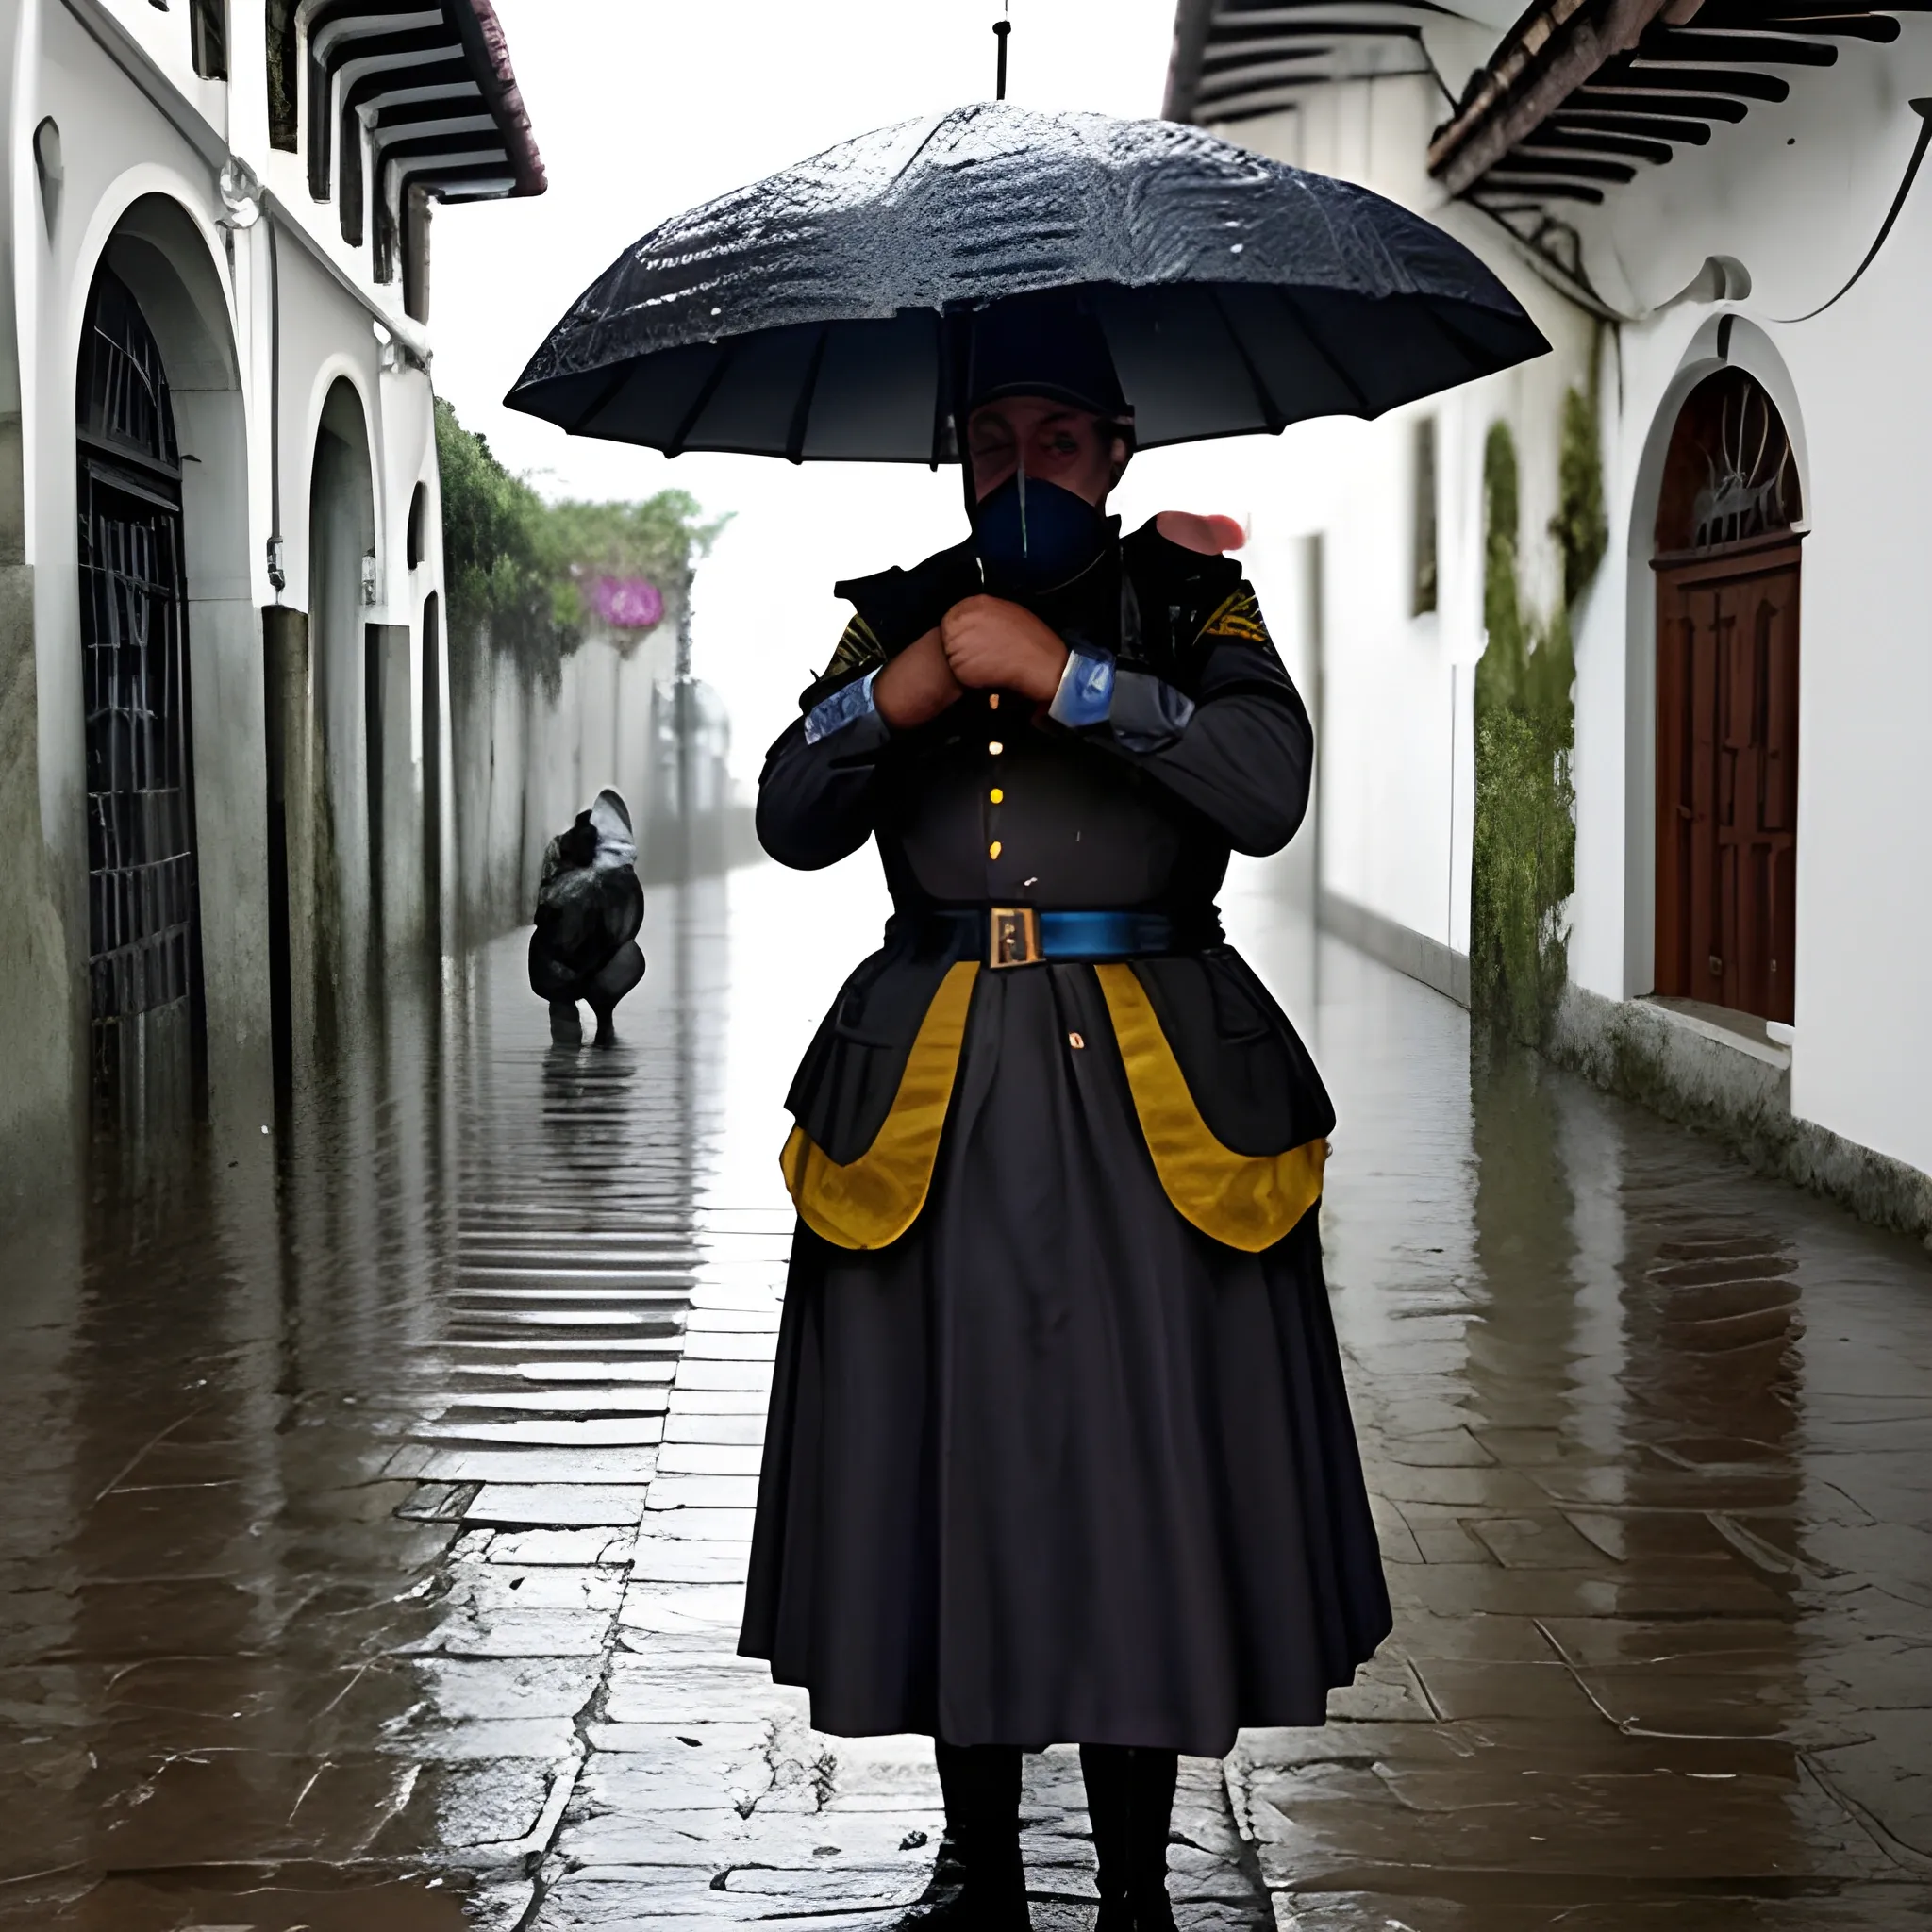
x=277, y=570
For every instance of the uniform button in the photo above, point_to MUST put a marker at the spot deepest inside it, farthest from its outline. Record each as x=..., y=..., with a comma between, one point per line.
x=993, y=851
x=995, y=747
x=993, y=704
x=996, y=794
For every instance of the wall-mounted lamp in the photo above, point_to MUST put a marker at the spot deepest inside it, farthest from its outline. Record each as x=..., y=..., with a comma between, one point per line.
x=369, y=576
x=241, y=195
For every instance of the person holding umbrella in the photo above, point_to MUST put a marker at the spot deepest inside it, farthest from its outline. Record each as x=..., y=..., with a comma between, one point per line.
x=1067, y=1456
x=1059, y=1448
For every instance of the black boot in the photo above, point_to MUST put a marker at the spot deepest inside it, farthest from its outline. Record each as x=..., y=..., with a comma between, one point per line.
x=566, y=1027
x=1130, y=1804
x=978, y=1884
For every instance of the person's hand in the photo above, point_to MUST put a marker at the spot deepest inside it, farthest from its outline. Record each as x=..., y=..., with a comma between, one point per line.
x=1210, y=536
x=917, y=684
x=993, y=645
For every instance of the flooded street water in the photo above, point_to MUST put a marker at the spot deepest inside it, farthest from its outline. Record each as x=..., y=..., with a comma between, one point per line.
x=379, y=1492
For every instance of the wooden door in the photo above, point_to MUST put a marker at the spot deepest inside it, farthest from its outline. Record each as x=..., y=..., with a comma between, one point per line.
x=1727, y=777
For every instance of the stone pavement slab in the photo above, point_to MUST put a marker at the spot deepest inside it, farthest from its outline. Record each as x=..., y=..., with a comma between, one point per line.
x=374, y=1546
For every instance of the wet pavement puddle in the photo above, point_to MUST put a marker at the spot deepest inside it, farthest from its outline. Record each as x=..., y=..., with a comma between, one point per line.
x=374, y=1542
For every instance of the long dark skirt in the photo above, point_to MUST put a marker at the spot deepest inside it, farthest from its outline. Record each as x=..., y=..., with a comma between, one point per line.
x=1055, y=1466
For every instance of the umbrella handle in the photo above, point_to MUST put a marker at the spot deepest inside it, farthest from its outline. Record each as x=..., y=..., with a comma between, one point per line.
x=1001, y=29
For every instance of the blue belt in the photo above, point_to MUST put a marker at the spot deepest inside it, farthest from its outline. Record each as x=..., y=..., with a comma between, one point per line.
x=1025, y=935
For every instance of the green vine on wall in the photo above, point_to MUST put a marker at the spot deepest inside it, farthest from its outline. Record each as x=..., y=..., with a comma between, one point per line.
x=1580, y=526
x=1524, y=862
x=514, y=565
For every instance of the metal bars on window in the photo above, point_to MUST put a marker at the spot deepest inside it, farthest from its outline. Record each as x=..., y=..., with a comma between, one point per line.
x=208, y=28
x=1422, y=571
x=142, y=896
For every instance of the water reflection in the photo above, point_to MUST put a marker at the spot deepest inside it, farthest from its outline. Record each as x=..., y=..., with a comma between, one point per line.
x=328, y=1448
x=1627, y=1686
x=259, y=1397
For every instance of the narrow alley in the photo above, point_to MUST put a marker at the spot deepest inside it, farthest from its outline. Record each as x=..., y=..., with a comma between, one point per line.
x=381, y=1487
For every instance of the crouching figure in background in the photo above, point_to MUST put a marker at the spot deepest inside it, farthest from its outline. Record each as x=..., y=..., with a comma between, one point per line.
x=590, y=907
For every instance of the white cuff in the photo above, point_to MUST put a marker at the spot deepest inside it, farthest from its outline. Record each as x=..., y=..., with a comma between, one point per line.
x=1086, y=693
x=846, y=705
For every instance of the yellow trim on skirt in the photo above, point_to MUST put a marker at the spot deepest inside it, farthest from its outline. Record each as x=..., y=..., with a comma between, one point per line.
x=869, y=1202
x=1246, y=1201
x=1243, y=1201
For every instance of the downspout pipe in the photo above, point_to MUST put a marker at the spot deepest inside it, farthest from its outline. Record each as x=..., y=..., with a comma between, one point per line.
x=277, y=566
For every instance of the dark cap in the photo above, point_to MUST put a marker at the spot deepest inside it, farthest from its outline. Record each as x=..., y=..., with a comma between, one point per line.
x=1048, y=344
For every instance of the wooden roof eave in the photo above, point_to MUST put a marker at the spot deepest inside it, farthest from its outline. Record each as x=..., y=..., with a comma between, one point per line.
x=1556, y=46
x=366, y=49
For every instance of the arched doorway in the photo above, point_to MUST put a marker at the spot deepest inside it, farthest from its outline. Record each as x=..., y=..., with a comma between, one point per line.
x=144, y=969
x=341, y=579
x=1727, y=583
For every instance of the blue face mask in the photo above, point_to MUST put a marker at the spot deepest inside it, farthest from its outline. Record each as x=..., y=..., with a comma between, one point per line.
x=1033, y=536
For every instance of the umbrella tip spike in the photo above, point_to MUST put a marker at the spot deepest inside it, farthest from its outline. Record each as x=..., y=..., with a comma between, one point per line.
x=1001, y=29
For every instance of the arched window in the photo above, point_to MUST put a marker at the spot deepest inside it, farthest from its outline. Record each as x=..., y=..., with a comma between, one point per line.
x=1729, y=476
x=144, y=897
x=419, y=511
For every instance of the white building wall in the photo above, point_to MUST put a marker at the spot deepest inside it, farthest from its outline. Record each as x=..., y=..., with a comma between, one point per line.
x=1795, y=195
x=1396, y=689
x=141, y=188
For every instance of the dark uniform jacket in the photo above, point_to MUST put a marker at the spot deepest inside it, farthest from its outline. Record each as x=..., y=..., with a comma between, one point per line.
x=1206, y=748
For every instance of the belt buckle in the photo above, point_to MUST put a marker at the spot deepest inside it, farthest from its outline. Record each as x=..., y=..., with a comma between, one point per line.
x=1013, y=936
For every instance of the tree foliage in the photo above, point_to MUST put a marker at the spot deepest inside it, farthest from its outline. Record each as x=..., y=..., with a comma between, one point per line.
x=1523, y=862
x=1581, y=525
x=518, y=568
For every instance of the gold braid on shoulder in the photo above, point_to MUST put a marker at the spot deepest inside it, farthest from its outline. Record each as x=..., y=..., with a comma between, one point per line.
x=1239, y=617
x=858, y=650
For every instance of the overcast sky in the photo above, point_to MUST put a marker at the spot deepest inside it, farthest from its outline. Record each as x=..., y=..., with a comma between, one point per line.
x=642, y=108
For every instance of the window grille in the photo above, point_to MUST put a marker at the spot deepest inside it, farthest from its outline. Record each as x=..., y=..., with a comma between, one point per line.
x=1423, y=572
x=284, y=114
x=208, y=25
x=144, y=900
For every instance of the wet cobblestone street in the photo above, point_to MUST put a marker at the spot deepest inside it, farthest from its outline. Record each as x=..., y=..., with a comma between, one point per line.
x=380, y=1487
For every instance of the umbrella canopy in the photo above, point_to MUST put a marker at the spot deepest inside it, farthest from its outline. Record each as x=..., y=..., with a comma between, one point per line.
x=825, y=312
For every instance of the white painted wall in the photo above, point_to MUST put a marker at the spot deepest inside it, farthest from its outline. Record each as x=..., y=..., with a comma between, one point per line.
x=141, y=188
x=1796, y=194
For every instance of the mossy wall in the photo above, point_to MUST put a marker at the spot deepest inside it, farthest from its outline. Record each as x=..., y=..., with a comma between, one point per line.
x=1524, y=857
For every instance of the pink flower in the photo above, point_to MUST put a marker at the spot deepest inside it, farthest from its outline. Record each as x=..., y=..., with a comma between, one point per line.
x=627, y=603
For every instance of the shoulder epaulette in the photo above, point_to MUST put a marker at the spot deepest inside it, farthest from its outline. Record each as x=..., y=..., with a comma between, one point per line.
x=858, y=650
x=1237, y=616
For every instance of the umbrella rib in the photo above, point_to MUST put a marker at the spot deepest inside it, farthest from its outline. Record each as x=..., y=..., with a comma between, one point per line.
x=728, y=352
x=801, y=410
x=945, y=348
x=1321, y=348
x=605, y=395
x=1271, y=415
x=1461, y=341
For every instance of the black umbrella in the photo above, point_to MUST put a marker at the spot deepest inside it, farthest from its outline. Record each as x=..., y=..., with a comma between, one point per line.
x=823, y=312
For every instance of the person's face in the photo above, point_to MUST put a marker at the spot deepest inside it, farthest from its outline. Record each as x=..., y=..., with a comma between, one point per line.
x=1069, y=447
